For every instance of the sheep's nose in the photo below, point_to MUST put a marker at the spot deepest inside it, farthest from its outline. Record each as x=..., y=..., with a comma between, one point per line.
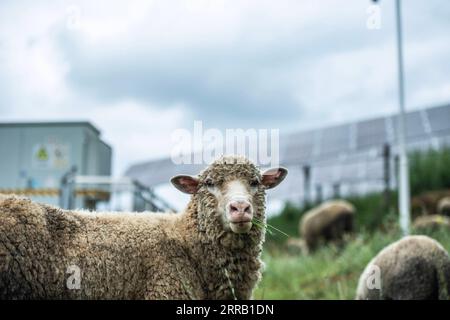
x=240, y=210
x=240, y=206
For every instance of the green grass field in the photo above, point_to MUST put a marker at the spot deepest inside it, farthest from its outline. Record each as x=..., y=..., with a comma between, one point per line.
x=329, y=273
x=332, y=272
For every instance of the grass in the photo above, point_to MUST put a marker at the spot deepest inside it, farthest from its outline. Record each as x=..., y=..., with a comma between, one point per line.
x=329, y=273
x=333, y=272
x=269, y=228
x=430, y=170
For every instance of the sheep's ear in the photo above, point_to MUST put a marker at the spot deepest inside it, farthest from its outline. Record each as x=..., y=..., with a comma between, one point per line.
x=273, y=177
x=185, y=183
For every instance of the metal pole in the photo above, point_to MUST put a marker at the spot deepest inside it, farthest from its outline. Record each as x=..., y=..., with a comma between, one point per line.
x=336, y=190
x=403, y=192
x=387, y=176
x=319, y=195
x=306, y=185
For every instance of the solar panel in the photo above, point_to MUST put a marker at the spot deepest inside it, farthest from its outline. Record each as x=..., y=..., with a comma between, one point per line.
x=374, y=169
x=370, y=132
x=335, y=139
x=322, y=173
x=350, y=153
x=414, y=125
x=351, y=171
x=297, y=148
x=439, y=118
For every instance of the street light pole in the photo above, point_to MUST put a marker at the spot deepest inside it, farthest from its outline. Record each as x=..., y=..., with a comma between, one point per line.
x=403, y=190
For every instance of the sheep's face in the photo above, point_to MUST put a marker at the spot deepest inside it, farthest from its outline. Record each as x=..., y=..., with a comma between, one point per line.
x=234, y=199
x=235, y=190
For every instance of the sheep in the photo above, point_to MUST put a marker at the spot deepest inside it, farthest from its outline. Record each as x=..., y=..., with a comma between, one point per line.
x=211, y=250
x=327, y=222
x=295, y=246
x=413, y=268
x=443, y=206
x=433, y=222
x=427, y=202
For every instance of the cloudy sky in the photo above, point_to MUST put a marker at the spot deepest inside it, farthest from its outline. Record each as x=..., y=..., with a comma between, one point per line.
x=140, y=69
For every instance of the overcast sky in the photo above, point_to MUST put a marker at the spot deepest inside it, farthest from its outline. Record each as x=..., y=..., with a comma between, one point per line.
x=140, y=69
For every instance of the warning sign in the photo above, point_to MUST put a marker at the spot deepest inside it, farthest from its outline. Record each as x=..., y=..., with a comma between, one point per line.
x=51, y=156
x=42, y=154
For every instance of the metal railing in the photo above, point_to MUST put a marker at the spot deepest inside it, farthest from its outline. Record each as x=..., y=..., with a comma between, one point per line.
x=100, y=188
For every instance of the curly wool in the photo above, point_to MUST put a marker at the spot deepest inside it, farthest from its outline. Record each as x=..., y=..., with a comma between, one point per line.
x=413, y=268
x=327, y=222
x=131, y=256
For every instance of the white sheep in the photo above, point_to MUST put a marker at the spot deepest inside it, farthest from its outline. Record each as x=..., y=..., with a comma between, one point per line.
x=413, y=268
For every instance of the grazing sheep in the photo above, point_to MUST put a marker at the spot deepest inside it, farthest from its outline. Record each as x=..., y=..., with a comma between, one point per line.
x=413, y=268
x=209, y=251
x=444, y=206
x=327, y=222
x=431, y=222
x=295, y=246
x=427, y=202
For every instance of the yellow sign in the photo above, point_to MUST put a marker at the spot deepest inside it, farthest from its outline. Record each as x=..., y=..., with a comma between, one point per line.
x=51, y=156
x=42, y=154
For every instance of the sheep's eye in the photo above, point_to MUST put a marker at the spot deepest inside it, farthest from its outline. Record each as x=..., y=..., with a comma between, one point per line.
x=209, y=183
x=254, y=183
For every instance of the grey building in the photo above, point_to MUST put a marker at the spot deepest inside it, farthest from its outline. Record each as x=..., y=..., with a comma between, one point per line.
x=36, y=155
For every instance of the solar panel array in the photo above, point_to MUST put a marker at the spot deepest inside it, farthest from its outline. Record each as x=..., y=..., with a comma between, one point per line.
x=349, y=154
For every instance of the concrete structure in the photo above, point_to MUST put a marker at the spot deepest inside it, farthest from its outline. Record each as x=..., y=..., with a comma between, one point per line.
x=35, y=156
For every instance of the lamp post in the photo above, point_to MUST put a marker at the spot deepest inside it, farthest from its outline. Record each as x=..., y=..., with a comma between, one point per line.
x=403, y=192
x=403, y=178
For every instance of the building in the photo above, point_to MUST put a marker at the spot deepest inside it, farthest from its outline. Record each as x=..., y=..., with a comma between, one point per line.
x=36, y=155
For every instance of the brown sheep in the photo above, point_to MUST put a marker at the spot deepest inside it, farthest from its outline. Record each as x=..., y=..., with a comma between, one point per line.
x=327, y=222
x=431, y=222
x=209, y=251
x=413, y=268
x=427, y=202
x=443, y=206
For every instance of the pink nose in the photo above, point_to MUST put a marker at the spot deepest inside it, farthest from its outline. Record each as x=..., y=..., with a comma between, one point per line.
x=240, y=210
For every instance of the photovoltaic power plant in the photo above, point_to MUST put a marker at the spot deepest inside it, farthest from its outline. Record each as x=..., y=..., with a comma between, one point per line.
x=341, y=159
